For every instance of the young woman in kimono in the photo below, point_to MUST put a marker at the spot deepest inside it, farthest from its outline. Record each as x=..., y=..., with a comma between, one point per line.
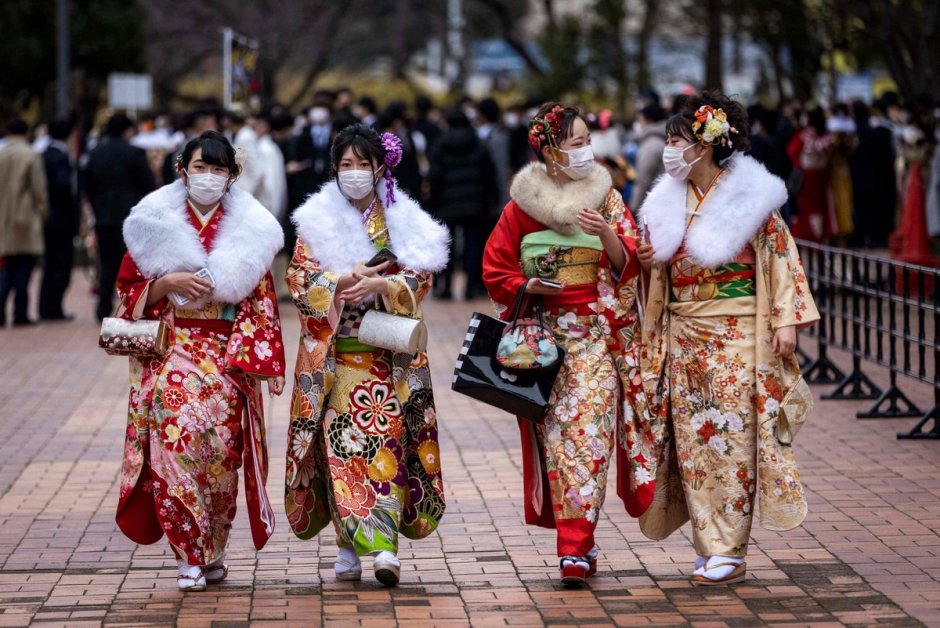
x=362, y=443
x=566, y=224
x=196, y=415
x=727, y=294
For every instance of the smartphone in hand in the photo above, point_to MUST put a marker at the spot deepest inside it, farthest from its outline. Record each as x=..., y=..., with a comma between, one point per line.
x=551, y=284
x=202, y=273
x=385, y=255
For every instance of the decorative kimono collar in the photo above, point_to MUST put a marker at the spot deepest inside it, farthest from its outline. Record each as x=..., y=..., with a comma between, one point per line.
x=737, y=206
x=557, y=205
x=162, y=240
x=333, y=230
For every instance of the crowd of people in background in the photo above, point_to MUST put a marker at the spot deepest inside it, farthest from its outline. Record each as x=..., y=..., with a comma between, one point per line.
x=848, y=167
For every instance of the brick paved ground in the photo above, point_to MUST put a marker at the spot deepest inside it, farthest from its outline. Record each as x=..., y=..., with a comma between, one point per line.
x=868, y=553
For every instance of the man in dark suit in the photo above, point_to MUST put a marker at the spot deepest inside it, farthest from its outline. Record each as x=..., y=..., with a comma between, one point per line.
x=61, y=225
x=118, y=177
x=309, y=165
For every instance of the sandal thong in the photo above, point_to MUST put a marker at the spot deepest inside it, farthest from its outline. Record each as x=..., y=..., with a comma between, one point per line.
x=737, y=575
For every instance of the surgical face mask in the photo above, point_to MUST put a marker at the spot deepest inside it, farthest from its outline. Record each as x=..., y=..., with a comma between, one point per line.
x=356, y=184
x=206, y=188
x=511, y=120
x=319, y=115
x=580, y=162
x=675, y=164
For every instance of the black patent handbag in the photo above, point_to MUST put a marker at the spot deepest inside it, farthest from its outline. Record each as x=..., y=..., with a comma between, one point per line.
x=479, y=376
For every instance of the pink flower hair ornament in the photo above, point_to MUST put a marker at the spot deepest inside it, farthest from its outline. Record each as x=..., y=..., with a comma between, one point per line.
x=393, y=155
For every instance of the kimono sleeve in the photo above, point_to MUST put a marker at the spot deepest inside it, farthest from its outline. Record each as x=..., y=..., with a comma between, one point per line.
x=133, y=289
x=625, y=227
x=313, y=291
x=256, y=346
x=502, y=272
x=791, y=302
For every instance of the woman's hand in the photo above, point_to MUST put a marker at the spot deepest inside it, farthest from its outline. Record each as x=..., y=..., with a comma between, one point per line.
x=537, y=287
x=187, y=284
x=364, y=287
x=275, y=386
x=645, y=253
x=592, y=223
x=370, y=271
x=784, y=342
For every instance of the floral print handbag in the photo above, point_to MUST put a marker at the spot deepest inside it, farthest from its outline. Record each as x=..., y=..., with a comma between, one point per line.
x=527, y=344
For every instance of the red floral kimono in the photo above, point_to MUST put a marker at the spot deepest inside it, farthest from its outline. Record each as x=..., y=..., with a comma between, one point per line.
x=196, y=416
x=593, y=407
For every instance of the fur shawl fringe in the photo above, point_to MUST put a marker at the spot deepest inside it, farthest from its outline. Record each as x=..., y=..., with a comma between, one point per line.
x=730, y=217
x=162, y=240
x=557, y=206
x=333, y=230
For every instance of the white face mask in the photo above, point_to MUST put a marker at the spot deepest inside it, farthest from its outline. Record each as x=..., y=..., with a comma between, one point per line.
x=511, y=120
x=580, y=162
x=675, y=164
x=206, y=188
x=356, y=184
x=320, y=115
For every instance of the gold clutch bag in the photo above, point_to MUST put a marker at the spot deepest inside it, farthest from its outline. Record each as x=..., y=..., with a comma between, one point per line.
x=143, y=338
x=794, y=409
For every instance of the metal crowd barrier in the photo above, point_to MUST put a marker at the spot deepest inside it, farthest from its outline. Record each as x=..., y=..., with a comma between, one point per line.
x=880, y=311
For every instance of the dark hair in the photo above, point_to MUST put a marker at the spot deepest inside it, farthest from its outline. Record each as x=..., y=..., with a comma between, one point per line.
x=568, y=116
x=17, y=126
x=61, y=128
x=653, y=113
x=456, y=118
x=367, y=103
x=817, y=120
x=216, y=151
x=489, y=109
x=118, y=124
x=366, y=143
x=423, y=104
x=680, y=124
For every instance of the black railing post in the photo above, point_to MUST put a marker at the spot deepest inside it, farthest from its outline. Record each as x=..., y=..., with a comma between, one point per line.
x=934, y=413
x=822, y=370
x=855, y=385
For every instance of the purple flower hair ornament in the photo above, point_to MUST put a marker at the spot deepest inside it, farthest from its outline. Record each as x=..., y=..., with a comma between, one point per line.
x=393, y=154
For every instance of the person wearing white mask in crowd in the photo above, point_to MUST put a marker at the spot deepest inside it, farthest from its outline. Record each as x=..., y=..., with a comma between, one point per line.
x=198, y=256
x=566, y=238
x=362, y=447
x=309, y=166
x=726, y=295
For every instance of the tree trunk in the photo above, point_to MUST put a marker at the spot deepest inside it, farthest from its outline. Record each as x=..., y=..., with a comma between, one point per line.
x=713, y=60
x=650, y=14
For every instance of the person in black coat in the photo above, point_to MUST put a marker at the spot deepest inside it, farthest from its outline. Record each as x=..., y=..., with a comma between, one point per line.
x=464, y=193
x=873, y=181
x=308, y=165
x=117, y=177
x=61, y=224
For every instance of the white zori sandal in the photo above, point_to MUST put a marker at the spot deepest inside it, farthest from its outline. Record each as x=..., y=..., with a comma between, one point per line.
x=216, y=571
x=387, y=568
x=190, y=577
x=721, y=570
x=347, y=566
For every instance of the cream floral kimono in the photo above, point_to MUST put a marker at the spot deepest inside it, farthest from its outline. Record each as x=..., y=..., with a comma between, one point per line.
x=716, y=296
x=362, y=442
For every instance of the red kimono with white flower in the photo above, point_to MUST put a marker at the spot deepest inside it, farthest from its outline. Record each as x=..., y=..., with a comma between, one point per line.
x=196, y=415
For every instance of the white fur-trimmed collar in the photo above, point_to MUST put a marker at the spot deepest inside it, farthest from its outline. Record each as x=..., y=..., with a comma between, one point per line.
x=557, y=206
x=333, y=230
x=162, y=240
x=732, y=213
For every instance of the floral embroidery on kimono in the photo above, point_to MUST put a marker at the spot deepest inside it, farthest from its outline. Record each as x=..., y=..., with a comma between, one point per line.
x=196, y=416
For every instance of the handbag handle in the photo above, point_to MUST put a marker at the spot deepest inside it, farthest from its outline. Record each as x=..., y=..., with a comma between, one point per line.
x=414, y=300
x=517, y=309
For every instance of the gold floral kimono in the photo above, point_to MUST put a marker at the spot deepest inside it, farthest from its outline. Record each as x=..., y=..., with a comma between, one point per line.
x=362, y=442
x=708, y=365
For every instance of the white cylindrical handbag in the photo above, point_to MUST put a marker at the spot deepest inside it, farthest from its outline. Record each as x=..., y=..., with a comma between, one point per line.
x=401, y=334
